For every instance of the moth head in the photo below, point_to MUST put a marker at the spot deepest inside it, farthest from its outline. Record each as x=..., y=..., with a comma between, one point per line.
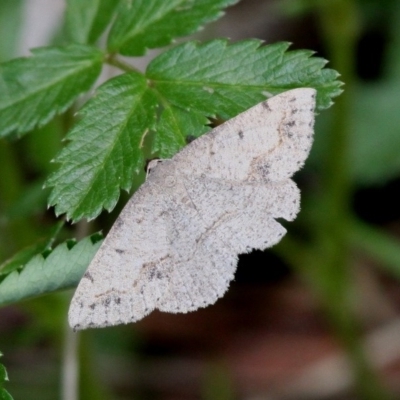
x=152, y=165
x=161, y=172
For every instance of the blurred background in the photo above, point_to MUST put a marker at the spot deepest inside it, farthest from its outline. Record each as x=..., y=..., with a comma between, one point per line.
x=316, y=317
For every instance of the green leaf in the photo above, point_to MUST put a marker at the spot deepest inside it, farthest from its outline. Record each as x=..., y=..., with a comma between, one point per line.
x=375, y=141
x=218, y=78
x=60, y=269
x=105, y=149
x=23, y=256
x=11, y=19
x=87, y=20
x=34, y=89
x=4, y=395
x=197, y=80
x=3, y=374
x=172, y=130
x=148, y=24
x=375, y=117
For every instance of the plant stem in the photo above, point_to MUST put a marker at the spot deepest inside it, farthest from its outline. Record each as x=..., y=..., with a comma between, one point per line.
x=339, y=25
x=69, y=381
x=112, y=60
x=90, y=386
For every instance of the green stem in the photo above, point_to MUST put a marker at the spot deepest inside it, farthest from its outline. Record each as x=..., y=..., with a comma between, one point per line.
x=69, y=381
x=112, y=60
x=90, y=386
x=339, y=24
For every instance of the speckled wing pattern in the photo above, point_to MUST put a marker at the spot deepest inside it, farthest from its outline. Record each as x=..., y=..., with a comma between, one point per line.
x=175, y=245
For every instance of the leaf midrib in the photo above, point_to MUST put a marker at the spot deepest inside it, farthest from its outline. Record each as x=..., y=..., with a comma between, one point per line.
x=220, y=85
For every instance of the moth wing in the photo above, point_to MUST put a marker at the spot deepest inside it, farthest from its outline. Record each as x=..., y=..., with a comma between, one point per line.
x=206, y=240
x=271, y=140
x=117, y=286
x=157, y=255
x=175, y=248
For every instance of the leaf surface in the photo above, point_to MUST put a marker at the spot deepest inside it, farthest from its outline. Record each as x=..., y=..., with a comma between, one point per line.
x=219, y=79
x=375, y=129
x=105, y=148
x=34, y=89
x=148, y=24
x=23, y=256
x=61, y=269
x=3, y=374
x=11, y=20
x=4, y=395
x=86, y=20
x=172, y=130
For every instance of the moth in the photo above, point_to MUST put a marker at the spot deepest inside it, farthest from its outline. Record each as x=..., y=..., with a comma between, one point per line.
x=175, y=245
